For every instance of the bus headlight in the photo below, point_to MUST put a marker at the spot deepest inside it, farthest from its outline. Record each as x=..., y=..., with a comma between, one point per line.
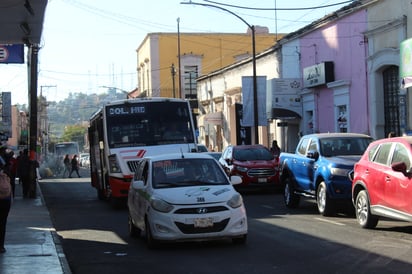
x=114, y=165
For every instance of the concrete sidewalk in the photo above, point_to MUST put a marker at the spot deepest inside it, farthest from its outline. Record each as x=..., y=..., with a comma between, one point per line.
x=32, y=245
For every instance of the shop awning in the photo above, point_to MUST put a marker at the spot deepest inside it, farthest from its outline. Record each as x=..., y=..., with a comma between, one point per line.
x=284, y=114
x=215, y=118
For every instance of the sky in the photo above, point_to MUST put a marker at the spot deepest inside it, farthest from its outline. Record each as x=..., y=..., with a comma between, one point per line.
x=89, y=45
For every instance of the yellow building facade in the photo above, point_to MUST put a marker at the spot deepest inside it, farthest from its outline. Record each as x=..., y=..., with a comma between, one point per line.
x=159, y=56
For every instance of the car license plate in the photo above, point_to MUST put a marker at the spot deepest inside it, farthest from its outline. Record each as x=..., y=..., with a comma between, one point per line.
x=203, y=222
x=262, y=180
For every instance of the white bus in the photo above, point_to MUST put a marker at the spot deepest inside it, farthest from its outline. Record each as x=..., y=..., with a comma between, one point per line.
x=122, y=132
x=63, y=148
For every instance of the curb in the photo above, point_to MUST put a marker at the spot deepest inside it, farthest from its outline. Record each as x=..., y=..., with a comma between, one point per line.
x=56, y=239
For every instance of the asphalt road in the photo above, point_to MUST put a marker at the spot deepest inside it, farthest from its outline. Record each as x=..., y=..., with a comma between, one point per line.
x=95, y=239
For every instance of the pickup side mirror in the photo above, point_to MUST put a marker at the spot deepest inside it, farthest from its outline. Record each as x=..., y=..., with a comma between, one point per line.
x=313, y=154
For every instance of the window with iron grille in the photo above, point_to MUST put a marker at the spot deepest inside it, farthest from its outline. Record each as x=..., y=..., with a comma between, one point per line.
x=391, y=99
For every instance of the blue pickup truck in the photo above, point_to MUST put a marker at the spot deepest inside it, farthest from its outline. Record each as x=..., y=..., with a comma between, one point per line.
x=319, y=169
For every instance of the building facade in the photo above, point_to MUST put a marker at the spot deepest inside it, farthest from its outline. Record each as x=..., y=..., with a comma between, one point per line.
x=159, y=56
x=388, y=103
x=338, y=74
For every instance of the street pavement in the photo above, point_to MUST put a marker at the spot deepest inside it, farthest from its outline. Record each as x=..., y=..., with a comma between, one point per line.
x=32, y=245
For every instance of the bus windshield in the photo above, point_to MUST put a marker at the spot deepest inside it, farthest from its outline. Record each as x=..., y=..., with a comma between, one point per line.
x=70, y=148
x=148, y=124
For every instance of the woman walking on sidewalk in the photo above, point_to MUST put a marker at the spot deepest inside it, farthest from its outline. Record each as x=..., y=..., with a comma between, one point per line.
x=5, y=201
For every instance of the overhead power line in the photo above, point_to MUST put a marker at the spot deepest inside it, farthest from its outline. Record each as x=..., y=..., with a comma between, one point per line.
x=284, y=9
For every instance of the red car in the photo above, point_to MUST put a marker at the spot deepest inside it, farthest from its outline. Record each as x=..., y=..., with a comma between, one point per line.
x=254, y=163
x=382, y=182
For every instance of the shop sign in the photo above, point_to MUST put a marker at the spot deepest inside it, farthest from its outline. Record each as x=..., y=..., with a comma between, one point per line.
x=319, y=74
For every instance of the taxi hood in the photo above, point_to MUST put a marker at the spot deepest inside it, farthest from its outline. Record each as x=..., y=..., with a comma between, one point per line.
x=196, y=194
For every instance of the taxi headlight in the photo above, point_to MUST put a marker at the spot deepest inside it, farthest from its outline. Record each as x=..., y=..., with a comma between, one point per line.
x=236, y=201
x=161, y=205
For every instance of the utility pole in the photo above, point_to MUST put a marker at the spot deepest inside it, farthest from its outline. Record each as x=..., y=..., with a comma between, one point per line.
x=255, y=99
x=173, y=71
x=33, y=54
x=178, y=55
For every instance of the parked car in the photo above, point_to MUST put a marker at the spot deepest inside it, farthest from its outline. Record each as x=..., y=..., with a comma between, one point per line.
x=202, y=148
x=82, y=158
x=185, y=197
x=382, y=182
x=254, y=163
x=215, y=154
x=86, y=162
x=319, y=169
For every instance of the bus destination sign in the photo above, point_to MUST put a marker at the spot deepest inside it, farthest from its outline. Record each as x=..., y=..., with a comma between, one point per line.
x=125, y=110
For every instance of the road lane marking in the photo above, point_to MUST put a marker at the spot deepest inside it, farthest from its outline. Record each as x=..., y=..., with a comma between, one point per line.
x=329, y=221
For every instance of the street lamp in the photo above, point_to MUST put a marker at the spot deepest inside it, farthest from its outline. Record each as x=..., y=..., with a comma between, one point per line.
x=252, y=28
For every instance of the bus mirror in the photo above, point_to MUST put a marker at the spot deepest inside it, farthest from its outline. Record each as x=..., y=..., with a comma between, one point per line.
x=101, y=146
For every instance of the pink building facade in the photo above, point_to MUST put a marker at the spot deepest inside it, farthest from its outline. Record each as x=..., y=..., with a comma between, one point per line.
x=334, y=74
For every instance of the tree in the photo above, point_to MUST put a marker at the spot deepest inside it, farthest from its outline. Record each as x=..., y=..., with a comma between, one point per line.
x=75, y=133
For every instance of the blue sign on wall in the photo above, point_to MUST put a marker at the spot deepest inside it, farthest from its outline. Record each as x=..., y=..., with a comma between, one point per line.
x=12, y=54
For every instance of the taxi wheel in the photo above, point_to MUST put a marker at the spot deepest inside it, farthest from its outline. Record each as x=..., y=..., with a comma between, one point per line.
x=133, y=230
x=240, y=240
x=150, y=242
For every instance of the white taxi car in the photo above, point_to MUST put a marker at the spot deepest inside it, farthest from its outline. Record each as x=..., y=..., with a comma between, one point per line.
x=185, y=197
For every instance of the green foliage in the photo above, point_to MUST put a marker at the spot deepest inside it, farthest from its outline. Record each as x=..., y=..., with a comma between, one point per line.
x=75, y=133
x=69, y=119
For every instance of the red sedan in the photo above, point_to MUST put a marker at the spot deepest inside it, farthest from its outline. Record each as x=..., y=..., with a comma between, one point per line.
x=255, y=164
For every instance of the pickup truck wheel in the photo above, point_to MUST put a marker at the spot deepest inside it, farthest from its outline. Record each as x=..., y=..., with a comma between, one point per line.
x=325, y=205
x=291, y=199
x=363, y=211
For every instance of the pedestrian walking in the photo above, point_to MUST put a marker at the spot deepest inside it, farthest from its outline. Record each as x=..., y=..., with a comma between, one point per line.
x=11, y=163
x=75, y=166
x=67, y=165
x=275, y=149
x=5, y=204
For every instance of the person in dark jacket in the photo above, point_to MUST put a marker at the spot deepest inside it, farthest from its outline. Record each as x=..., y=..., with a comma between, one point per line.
x=5, y=199
x=75, y=166
x=275, y=149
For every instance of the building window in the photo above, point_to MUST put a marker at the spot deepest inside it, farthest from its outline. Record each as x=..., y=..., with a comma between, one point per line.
x=309, y=124
x=190, y=87
x=391, y=99
x=342, y=119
